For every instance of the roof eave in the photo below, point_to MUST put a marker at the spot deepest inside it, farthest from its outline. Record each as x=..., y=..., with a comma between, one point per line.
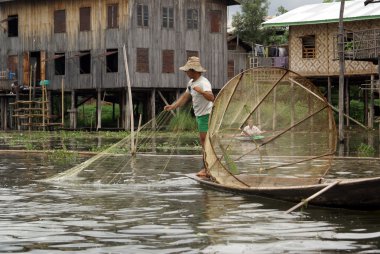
x=317, y=22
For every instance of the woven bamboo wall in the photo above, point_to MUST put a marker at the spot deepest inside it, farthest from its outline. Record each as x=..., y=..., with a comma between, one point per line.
x=324, y=63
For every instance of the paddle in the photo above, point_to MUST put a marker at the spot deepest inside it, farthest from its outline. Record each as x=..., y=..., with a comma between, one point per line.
x=313, y=196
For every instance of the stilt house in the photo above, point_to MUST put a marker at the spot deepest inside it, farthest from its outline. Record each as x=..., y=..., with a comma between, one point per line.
x=313, y=44
x=77, y=47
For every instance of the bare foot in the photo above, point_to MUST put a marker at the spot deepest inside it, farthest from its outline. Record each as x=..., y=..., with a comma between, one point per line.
x=202, y=173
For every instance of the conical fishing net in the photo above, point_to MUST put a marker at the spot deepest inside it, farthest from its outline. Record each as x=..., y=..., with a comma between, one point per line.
x=291, y=136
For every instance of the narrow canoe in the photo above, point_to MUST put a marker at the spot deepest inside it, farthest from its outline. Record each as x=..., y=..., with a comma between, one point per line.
x=360, y=194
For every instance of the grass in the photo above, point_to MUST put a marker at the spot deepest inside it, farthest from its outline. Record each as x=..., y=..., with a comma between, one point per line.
x=183, y=121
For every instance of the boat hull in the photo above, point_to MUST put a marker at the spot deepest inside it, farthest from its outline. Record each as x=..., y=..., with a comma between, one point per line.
x=360, y=194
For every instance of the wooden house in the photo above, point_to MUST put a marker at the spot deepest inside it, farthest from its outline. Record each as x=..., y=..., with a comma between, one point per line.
x=313, y=44
x=78, y=47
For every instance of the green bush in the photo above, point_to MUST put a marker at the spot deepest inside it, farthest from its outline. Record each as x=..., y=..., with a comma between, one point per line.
x=183, y=121
x=357, y=110
x=366, y=150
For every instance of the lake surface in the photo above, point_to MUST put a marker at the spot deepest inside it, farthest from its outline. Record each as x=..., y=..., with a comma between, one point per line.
x=147, y=205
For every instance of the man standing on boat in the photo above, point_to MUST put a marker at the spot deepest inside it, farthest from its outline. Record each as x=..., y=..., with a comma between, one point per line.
x=199, y=89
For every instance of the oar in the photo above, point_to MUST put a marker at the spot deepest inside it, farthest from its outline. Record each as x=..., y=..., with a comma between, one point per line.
x=313, y=196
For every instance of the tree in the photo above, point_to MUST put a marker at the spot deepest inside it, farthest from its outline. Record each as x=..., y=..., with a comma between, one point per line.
x=281, y=10
x=247, y=24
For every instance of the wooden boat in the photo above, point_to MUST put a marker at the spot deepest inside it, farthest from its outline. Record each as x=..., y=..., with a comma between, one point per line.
x=361, y=193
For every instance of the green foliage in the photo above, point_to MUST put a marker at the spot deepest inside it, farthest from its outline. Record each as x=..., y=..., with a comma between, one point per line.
x=356, y=110
x=247, y=24
x=366, y=150
x=275, y=36
x=183, y=121
x=87, y=115
x=281, y=10
x=62, y=156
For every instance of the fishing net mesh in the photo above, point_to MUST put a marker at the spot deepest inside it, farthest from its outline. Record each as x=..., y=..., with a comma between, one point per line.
x=295, y=139
x=115, y=164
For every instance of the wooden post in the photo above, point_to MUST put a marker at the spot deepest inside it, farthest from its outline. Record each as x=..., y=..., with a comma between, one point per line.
x=274, y=115
x=63, y=101
x=133, y=148
x=329, y=89
x=347, y=100
x=73, y=111
x=341, y=71
x=2, y=113
x=30, y=99
x=43, y=105
x=99, y=110
x=153, y=107
x=371, y=109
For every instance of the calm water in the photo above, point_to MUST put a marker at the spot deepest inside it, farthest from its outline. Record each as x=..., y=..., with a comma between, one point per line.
x=147, y=205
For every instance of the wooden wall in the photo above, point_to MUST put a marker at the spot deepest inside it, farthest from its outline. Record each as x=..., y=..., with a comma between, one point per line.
x=324, y=64
x=36, y=33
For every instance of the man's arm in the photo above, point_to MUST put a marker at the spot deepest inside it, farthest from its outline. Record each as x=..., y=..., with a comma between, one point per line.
x=178, y=103
x=208, y=95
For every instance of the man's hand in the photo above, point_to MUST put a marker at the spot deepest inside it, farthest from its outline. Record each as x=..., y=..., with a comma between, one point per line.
x=208, y=94
x=198, y=89
x=169, y=107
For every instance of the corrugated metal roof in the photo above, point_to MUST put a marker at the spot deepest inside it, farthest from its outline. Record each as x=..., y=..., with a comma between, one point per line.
x=326, y=13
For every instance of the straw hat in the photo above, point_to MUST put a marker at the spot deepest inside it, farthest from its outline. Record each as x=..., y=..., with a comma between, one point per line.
x=194, y=64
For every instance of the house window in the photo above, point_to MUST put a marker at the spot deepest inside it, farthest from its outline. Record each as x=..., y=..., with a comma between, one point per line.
x=112, y=60
x=85, y=19
x=215, y=21
x=142, y=60
x=308, y=46
x=112, y=16
x=59, y=64
x=192, y=19
x=60, y=21
x=167, y=17
x=142, y=15
x=168, y=61
x=13, y=26
x=190, y=53
x=85, y=62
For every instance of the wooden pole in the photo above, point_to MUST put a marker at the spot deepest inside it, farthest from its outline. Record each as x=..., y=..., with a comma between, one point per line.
x=43, y=106
x=329, y=89
x=371, y=108
x=63, y=101
x=133, y=148
x=341, y=71
x=303, y=202
x=30, y=99
x=165, y=101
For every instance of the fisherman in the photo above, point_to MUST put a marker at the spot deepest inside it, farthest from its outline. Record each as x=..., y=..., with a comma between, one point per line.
x=250, y=129
x=199, y=89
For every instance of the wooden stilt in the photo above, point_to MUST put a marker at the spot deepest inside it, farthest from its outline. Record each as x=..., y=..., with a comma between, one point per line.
x=73, y=111
x=329, y=89
x=371, y=109
x=153, y=107
x=99, y=110
x=63, y=102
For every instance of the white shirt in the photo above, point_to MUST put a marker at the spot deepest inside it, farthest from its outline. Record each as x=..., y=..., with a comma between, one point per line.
x=251, y=131
x=201, y=106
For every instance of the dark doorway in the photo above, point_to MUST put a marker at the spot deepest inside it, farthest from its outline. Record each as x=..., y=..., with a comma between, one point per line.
x=35, y=63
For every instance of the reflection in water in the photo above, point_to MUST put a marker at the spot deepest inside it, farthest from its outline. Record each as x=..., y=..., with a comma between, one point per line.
x=148, y=206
